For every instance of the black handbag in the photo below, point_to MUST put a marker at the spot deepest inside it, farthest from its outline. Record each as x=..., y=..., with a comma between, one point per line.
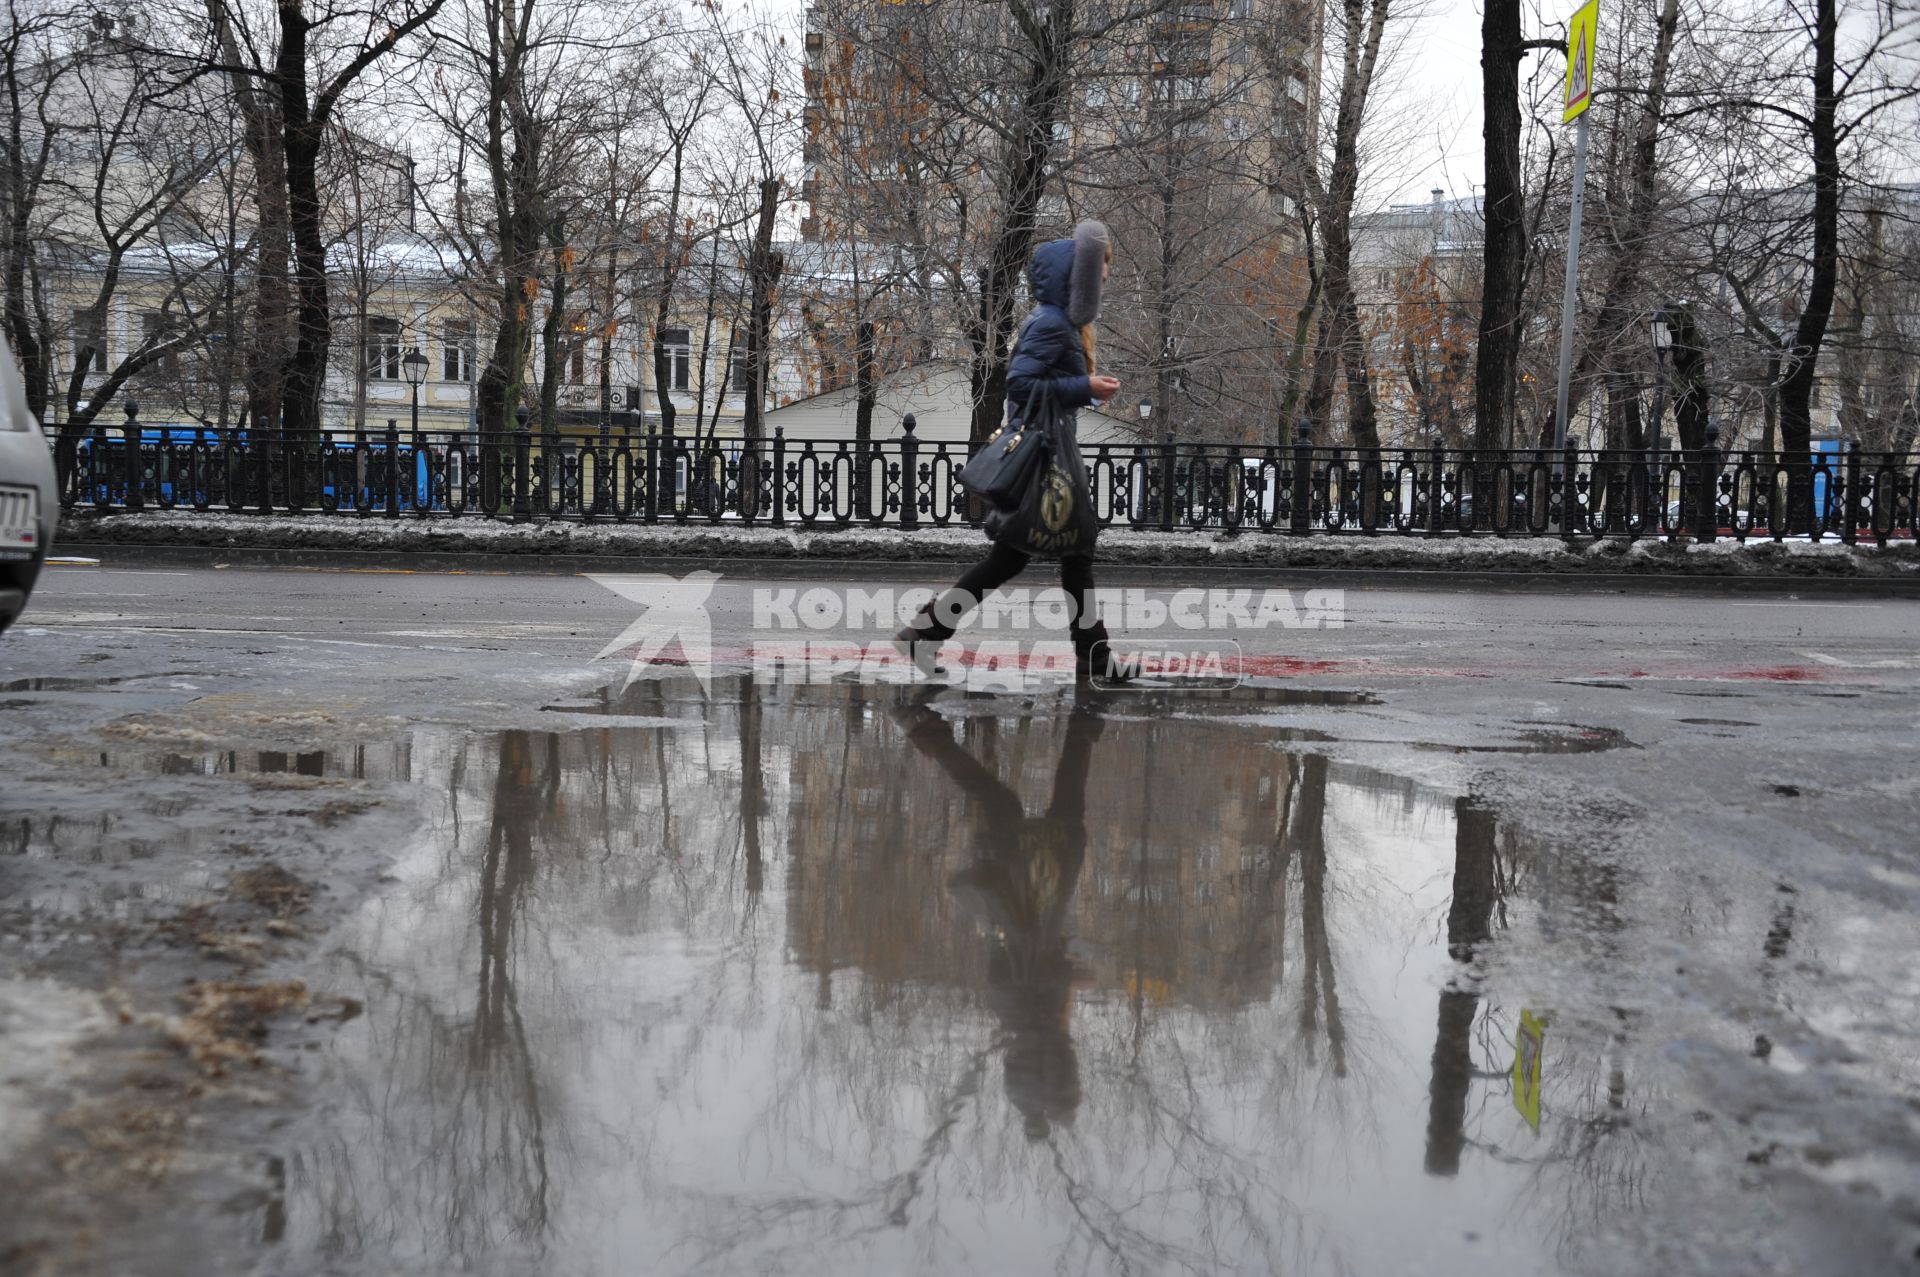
x=1051, y=516
x=1002, y=470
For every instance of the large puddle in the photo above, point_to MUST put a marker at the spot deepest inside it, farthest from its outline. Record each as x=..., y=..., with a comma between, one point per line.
x=835, y=980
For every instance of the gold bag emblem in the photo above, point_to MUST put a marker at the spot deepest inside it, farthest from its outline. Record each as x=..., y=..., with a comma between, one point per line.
x=1056, y=502
x=1013, y=441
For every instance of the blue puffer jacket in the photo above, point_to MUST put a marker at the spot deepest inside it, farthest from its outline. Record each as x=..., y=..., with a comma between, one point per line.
x=1047, y=352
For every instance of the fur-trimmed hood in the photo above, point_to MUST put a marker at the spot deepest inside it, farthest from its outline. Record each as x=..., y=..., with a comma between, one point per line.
x=1090, y=250
x=1067, y=272
x=1050, y=271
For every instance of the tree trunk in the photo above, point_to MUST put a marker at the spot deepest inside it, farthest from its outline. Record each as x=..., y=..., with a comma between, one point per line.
x=670, y=252
x=1048, y=32
x=513, y=165
x=1365, y=27
x=24, y=175
x=1796, y=392
x=1302, y=326
x=866, y=384
x=555, y=347
x=1629, y=249
x=1504, y=262
x=700, y=418
x=306, y=369
x=303, y=122
x=269, y=342
x=763, y=276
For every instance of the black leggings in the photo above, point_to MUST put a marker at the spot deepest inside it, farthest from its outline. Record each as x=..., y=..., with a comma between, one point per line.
x=1001, y=565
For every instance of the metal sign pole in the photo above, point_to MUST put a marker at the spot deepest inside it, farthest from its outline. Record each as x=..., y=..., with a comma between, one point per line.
x=1583, y=33
x=1573, y=281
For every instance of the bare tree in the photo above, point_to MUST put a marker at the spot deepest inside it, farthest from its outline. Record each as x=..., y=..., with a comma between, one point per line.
x=752, y=61
x=98, y=162
x=1342, y=335
x=313, y=64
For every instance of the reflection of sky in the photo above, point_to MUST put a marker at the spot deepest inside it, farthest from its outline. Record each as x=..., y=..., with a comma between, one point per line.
x=665, y=1080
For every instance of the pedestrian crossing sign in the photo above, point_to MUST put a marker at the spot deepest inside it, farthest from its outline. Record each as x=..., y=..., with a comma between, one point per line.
x=1528, y=1043
x=1583, y=32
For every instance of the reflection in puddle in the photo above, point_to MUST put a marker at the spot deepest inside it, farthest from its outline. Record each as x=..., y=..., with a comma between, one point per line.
x=56, y=684
x=848, y=982
x=68, y=683
x=347, y=762
x=1555, y=739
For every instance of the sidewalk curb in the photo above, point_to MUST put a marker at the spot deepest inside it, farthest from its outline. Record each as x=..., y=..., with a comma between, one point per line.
x=1120, y=573
x=282, y=540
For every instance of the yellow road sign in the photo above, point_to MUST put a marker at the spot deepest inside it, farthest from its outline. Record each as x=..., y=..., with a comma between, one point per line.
x=1528, y=1044
x=1583, y=33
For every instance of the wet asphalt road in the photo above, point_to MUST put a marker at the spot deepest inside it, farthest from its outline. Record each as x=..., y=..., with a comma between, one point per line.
x=851, y=977
x=1663, y=630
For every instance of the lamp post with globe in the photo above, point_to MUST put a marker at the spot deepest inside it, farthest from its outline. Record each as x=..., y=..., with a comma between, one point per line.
x=413, y=366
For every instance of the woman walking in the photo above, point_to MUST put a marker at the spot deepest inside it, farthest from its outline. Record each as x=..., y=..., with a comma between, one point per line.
x=1053, y=356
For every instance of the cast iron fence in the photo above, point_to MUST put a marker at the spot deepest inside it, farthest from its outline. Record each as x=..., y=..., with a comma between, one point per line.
x=622, y=475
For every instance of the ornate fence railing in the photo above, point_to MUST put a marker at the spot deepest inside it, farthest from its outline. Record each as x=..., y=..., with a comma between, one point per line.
x=624, y=475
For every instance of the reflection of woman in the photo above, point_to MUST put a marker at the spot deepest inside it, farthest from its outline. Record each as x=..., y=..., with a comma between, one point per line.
x=1021, y=882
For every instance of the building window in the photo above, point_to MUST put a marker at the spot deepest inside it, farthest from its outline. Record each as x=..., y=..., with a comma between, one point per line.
x=1297, y=89
x=89, y=340
x=1235, y=128
x=383, y=348
x=1096, y=95
x=576, y=359
x=157, y=326
x=456, y=351
x=676, y=346
x=1240, y=9
x=739, y=365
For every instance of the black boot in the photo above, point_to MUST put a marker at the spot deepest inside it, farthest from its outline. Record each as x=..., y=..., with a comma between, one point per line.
x=1093, y=656
x=919, y=640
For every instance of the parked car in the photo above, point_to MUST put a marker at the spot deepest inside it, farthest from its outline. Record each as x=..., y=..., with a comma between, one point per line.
x=28, y=505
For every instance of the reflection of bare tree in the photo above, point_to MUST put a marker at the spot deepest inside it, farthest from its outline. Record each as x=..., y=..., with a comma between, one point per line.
x=1310, y=837
x=1591, y=1146
x=756, y=1018
x=1469, y=925
x=753, y=785
x=500, y=1051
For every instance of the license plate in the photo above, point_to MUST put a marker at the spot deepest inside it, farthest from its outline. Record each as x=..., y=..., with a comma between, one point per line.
x=19, y=522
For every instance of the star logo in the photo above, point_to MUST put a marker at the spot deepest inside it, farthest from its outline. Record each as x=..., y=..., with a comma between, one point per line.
x=675, y=609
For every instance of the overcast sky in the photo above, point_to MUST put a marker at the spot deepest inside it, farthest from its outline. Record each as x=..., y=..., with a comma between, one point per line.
x=1429, y=121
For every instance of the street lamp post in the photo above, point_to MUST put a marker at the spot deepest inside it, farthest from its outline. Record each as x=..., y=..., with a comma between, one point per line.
x=1660, y=328
x=1146, y=435
x=413, y=366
